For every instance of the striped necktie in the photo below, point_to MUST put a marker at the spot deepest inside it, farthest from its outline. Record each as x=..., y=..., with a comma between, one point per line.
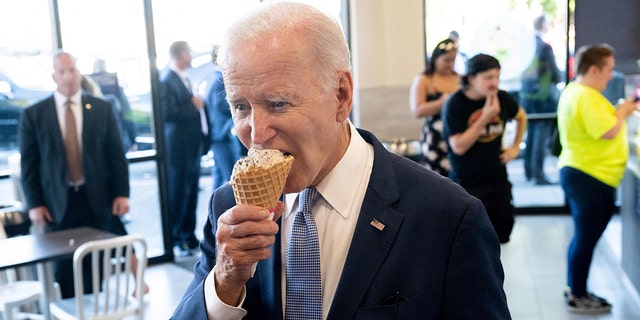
x=304, y=283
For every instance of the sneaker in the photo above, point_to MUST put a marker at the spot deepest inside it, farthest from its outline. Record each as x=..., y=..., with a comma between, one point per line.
x=589, y=304
x=181, y=250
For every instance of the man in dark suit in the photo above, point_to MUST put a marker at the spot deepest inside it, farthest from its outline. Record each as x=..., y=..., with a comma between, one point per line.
x=61, y=195
x=396, y=241
x=185, y=132
x=539, y=95
x=226, y=147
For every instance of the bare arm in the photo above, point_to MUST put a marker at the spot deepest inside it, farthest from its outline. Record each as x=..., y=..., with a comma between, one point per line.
x=622, y=113
x=511, y=152
x=418, y=98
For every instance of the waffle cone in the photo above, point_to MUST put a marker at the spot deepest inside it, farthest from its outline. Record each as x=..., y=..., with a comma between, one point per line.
x=261, y=186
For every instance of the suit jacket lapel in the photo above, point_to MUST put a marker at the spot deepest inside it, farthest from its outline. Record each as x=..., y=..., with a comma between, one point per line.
x=57, y=140
x=369, y=246
x=177, y=79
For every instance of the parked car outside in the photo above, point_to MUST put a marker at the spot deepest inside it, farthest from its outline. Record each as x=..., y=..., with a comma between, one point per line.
x=13, y=100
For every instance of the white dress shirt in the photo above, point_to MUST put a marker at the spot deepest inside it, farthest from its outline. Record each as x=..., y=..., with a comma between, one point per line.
x=336, y=215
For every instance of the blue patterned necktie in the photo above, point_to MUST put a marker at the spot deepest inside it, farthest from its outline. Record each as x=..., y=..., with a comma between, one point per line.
x=304, y=285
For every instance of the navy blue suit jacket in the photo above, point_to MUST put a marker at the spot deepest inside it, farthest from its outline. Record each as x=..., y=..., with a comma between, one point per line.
x=219, y=112
x=185, y=142
x=44, y=166
x=438, y=256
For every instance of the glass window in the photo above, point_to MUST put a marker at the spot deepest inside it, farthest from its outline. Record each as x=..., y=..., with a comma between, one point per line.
x=201, y=23
x=109, y=40
x=25, y=68
x=504, y=29
x=111, y=49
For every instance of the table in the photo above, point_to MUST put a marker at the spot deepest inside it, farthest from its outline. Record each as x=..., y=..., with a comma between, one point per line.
x=41, y=248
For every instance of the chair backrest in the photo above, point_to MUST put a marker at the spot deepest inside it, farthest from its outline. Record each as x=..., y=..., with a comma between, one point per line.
x=3, y=234
x=15, y=293
x=113, y=259
x=6, y=276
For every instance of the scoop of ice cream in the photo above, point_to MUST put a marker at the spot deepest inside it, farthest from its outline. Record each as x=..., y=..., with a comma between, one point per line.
x=264, y=158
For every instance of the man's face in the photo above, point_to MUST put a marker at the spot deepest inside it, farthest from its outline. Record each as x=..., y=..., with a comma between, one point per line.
x=605, y=73
x=276, y=104
x=486, y=82
x=65, y=75
x=183, y=61
x=186, y=58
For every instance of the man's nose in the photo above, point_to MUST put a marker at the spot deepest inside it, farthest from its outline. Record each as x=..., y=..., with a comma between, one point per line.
x=261, y=127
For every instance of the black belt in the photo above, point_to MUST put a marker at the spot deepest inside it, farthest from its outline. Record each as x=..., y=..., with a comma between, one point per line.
x=77, y=188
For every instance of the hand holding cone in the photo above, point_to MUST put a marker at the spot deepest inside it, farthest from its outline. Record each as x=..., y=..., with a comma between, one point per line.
x=258, y=179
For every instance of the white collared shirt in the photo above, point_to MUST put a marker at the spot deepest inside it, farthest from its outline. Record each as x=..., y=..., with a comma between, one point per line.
x=76, y=107
x=336, y=214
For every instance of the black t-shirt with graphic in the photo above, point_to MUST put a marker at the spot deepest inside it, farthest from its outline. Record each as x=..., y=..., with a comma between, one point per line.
x=481, y=163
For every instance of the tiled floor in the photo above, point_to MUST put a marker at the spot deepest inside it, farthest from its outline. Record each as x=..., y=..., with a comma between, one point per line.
x=535, y=268
x=534, y=263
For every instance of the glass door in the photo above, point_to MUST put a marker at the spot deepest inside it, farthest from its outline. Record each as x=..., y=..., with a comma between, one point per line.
x=505, y=29
x=109, y=41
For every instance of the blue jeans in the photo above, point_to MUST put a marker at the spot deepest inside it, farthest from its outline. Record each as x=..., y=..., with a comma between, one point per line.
x=592, y=204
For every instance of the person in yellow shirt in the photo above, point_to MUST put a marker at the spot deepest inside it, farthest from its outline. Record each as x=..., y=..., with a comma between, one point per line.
x=593, y=135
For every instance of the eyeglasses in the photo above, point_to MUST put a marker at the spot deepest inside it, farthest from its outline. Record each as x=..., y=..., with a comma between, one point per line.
x=448, y=46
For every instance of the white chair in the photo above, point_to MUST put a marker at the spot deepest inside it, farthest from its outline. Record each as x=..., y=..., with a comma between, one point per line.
x=115, y=300
x=17, y=293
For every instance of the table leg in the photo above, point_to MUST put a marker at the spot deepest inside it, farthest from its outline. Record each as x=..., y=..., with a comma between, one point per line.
x=45, y=274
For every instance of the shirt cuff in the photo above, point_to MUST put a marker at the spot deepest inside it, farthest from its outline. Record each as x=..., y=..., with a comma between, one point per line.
x=216, y=309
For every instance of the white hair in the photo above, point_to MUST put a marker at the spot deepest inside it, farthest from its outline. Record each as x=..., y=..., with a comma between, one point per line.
x=325, y=39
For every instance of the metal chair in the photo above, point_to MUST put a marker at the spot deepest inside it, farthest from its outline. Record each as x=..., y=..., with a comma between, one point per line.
x=17, y=293
x=113, y=258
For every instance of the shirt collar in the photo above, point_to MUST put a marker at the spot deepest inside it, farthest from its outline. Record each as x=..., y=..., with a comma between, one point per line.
x=60, y=98
x=181, y=73
x=346, y=174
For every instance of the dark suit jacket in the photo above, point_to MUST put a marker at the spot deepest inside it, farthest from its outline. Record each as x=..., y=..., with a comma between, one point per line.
x=220, y=114
x=43, y=162
x=182, y=127
x=539, y=93
x=438, y=253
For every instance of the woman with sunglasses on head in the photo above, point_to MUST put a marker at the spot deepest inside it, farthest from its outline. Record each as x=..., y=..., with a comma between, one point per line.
x=429, y=91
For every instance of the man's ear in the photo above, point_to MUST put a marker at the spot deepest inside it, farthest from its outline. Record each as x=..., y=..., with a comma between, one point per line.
x=594, y=69
x=344, y=94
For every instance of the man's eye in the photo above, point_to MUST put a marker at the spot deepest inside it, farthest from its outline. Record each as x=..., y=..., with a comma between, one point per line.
x=278, y=104
x=241, y=107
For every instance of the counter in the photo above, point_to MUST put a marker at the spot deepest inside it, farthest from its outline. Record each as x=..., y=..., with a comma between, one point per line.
x=630, y=208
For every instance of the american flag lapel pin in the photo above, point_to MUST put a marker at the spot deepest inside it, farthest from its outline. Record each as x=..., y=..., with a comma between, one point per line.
x=377, y=224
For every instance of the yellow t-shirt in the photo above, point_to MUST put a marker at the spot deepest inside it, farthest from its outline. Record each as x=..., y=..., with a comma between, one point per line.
x=584, y=116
